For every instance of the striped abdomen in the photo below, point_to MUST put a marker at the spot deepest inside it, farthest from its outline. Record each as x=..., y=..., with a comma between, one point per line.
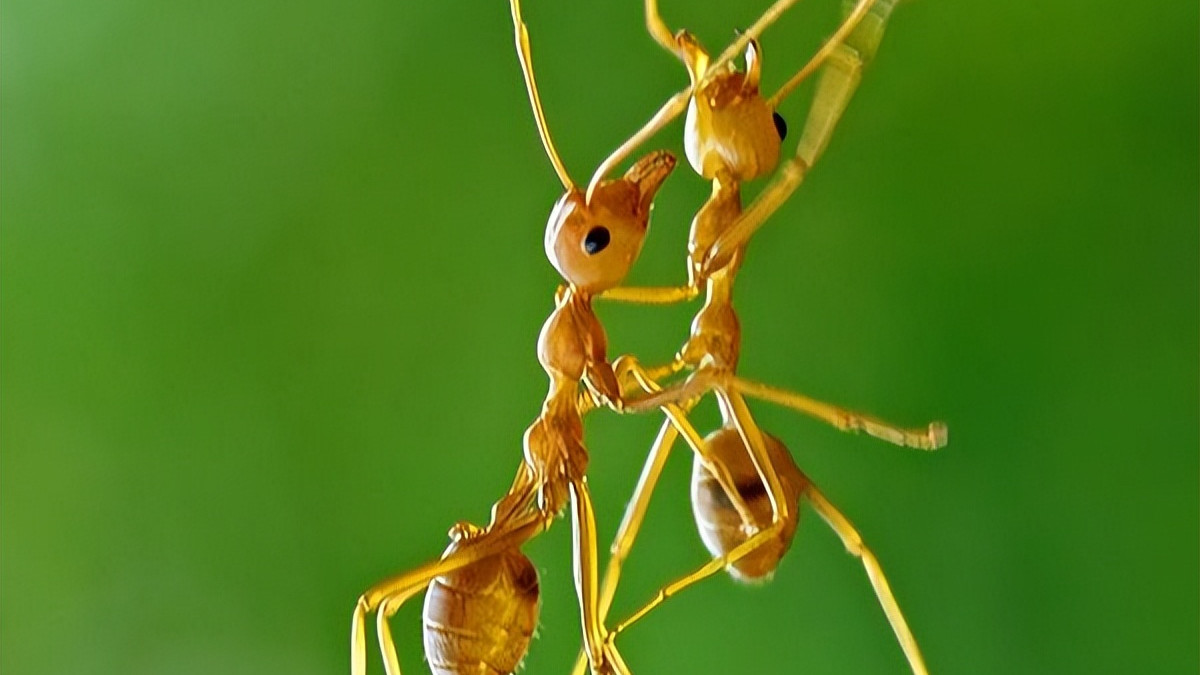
x=479, y=620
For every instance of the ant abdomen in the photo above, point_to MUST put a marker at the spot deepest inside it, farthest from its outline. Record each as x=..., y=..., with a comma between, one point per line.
x=481, y=618
x=720, y=525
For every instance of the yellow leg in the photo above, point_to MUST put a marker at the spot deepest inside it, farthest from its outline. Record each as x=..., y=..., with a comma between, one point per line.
x=738, y=415
x=387, y=646
x=932, y=437
x=855, y=546
x=409, y=583
x=651, y=295
x=583, y=520
x=703, y=572
x=677, y=423
x=839, y=80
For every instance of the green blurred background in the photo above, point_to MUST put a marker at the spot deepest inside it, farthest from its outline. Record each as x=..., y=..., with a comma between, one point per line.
x=273, y=272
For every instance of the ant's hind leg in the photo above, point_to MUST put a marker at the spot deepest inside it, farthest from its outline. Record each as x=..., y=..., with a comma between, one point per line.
x=839, y=80
x=387, y=646
x=932, y=437
x=782, y=508
x=407, y=584
x=855, y=546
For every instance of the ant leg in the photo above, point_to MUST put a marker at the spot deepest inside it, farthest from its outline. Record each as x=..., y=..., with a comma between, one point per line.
x=703, y=572
x=387, y=646
x=583, y=522
x=932, y=437
x=840, y=79
x=408, y=583
x=731, y=400
x=676, y=424
x=856, y=15
x=855, y=546
x=651, y=295
x=739, y=416
x=696, y=385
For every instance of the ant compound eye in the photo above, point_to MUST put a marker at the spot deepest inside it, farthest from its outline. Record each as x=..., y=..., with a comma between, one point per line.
x=780, y=125
x=596, y=240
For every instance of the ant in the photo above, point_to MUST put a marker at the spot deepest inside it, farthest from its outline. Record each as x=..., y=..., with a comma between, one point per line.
x=482, y=600
x=745, y=484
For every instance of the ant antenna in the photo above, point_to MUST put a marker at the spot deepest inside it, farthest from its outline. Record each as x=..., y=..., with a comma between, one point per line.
x=535, y=101
x=861, y=8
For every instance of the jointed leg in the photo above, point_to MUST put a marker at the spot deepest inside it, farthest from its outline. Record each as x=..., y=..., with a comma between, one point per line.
x=583, y=520
x=855, y=546
x=931, y=438
x=399, y=588
x=387, y=646
x=651, y=295
x=839, y=80
x=676, y=423
x=739, y=415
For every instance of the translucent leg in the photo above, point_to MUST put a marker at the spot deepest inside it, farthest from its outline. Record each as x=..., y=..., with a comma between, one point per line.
x=855, y=546
x=839, y=80
x=739, y=416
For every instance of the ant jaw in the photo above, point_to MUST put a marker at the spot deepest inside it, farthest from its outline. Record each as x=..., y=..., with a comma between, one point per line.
x=648, y=174
x=753, y=68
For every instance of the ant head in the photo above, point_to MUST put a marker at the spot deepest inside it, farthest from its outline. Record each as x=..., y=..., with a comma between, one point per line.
x=730, y=127
x=593, y=244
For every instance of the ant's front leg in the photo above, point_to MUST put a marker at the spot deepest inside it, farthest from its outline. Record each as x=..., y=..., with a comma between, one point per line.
x=652, y=295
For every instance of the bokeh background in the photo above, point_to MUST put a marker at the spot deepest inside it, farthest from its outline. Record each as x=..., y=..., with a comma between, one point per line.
x=273, y=272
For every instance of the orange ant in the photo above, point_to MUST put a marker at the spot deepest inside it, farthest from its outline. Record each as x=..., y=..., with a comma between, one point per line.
x=745, y=485
x=481, y=606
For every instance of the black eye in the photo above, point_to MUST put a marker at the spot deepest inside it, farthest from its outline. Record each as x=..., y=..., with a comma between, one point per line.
x=596, y=240
x=780, y=125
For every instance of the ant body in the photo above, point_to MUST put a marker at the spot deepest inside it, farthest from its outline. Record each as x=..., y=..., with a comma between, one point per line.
x=746, y=486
